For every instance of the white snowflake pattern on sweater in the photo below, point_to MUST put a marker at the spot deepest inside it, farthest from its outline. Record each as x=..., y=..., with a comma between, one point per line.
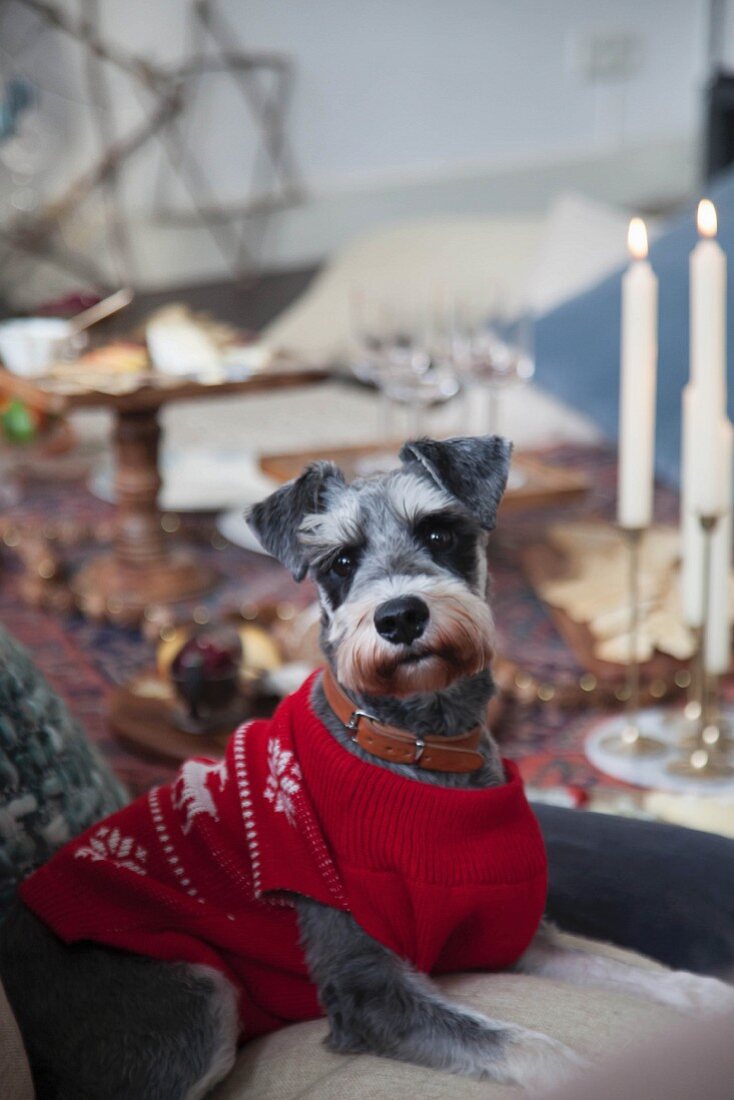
x=284, y=780
x=110, y=845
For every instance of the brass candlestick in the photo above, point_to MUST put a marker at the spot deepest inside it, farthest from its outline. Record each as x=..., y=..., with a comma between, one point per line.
x=710, y=729
x=685, y=722
x=631, y=742
x=694, y=704
x=704, y=758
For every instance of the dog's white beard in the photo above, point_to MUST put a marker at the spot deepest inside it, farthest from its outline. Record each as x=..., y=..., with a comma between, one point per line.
x=457, y=642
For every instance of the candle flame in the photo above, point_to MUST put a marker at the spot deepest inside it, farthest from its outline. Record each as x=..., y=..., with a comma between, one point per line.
x=706, y=218
x=637, y=239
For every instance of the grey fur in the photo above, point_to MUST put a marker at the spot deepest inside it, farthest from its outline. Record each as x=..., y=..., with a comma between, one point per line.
x=105, y=1025
x=278, y=518
x=376, y=1003
x=474, y=469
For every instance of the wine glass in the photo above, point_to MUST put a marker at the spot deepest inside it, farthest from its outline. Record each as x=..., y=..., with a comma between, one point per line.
x=496, y=353
x=404, y=346
x=371, y=322
x=418, y=366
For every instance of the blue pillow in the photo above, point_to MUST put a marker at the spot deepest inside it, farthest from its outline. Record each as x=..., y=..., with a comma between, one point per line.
x=577, y=344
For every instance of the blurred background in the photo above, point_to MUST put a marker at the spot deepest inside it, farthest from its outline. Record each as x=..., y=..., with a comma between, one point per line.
x=240, y=235
x=376, y=112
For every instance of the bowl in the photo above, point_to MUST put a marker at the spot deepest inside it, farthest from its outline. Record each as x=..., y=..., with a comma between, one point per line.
x=29, y=345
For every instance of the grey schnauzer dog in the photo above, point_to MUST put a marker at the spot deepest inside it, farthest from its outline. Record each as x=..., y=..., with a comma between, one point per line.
x=400, y=562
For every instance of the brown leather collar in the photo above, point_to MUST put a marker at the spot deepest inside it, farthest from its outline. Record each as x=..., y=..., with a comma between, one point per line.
x=438, y=754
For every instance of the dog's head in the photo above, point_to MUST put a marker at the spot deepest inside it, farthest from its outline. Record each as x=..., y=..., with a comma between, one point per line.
x=399, y=561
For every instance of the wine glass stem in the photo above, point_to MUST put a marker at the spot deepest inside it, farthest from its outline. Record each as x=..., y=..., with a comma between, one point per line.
x=415, y=422
x=386, y=411
x=493, y=425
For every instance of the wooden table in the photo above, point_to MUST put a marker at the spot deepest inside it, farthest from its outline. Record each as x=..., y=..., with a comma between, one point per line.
x=141, y=569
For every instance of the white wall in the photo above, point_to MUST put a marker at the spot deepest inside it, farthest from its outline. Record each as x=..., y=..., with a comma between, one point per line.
x=401, y=105
x=406, y=87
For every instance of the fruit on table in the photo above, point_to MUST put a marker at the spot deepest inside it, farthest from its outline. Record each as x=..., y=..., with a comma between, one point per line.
x=20, y=424
x=206, y=670
x=263, y=654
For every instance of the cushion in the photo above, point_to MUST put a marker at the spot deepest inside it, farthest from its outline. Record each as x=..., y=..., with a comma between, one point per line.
x=53, y=784
x=583, y=241
x=695, y=1058
x=577, y=343
x=408, y=262
x=412, y=263
x=293, y=1064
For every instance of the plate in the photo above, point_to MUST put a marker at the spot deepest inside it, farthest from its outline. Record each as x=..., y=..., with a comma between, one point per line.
x=233, y=526
x=197, y=479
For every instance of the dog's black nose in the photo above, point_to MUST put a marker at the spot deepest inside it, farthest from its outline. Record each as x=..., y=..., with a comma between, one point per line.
x=402, y=620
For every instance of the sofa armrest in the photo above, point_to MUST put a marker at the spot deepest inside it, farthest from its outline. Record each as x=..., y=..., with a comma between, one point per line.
x=664, y=891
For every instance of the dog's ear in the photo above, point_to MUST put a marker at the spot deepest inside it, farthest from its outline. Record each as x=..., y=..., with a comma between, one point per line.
x=473, y=469
x=276, y=519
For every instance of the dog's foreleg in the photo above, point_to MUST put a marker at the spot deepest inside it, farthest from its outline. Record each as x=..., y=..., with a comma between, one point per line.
x=549, y=957
x=376, y=1003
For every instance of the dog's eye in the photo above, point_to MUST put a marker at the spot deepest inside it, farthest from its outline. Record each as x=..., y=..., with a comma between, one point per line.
x=344, y=563
x=438, y=537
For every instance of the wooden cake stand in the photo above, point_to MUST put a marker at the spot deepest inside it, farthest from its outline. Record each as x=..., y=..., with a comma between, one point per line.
x=141, y=569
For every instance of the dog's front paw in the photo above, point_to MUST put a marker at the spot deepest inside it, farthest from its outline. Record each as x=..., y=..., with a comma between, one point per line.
x=345, y=1040
x=536, y=1061
x=692, y=993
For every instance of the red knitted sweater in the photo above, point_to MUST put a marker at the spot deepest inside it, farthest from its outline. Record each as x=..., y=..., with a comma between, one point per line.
x=203, y=870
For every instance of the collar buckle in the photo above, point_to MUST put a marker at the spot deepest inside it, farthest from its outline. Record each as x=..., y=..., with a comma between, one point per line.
x=419, y=749
x=354, y=720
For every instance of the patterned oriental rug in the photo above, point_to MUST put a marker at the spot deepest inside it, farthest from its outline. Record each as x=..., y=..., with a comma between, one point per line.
x=84, y=660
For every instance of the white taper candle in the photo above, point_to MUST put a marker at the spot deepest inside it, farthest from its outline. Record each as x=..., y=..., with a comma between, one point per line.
x=690, y=526
x=708, y=362
x=639, y=340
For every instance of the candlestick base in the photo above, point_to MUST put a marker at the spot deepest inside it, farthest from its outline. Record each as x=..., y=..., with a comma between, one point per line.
x=630, y=742
x=712, y=737
x=654, y=771
x=701, y=764
x=684, y=723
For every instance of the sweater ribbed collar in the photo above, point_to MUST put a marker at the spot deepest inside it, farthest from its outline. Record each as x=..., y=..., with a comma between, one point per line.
x=383, y=818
